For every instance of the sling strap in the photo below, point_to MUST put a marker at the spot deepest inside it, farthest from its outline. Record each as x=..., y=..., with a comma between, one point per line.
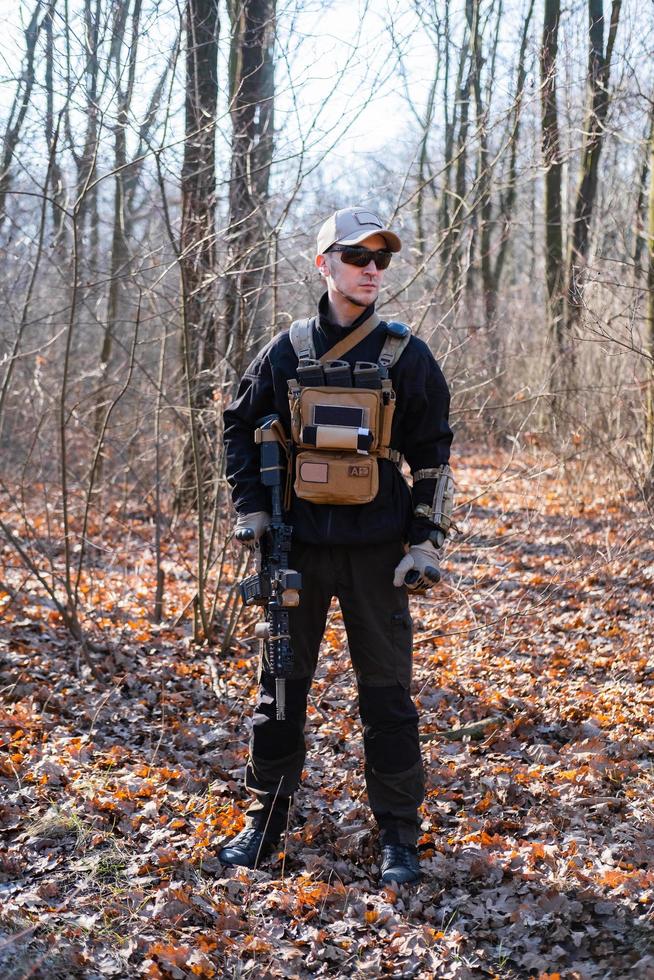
x=352, y=339
x=301, y=337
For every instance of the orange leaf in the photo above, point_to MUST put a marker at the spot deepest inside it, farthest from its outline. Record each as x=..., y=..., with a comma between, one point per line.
x=614, y=878
x=484, y=804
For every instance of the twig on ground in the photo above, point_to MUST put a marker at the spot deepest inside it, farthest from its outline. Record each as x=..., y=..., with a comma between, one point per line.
x=478, y=730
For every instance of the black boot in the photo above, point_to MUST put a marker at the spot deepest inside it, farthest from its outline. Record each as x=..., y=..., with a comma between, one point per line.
x=399, y=864
x=249, y=848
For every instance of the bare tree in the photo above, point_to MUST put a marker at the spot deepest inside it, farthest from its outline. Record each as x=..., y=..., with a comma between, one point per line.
x=57, y=180
x=119, y=263
x=197, y=246
x=649, y=433
x=640, y=238
x=252, y=102
x=492, y=271
x=551, y=150
x=482, y=113
x=461, y=172
x=19, y=107
x=86, y=192
x=599, y=71
x=424, y=177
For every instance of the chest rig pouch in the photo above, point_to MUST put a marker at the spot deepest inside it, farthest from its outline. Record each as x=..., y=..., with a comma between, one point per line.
x=341, y=419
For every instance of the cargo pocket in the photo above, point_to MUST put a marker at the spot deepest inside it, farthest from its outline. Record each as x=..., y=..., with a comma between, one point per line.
x=402, y=639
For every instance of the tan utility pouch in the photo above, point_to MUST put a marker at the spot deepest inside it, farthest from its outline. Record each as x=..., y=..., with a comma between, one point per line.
x=326, y=422
x=333, y=409
x=336, y=478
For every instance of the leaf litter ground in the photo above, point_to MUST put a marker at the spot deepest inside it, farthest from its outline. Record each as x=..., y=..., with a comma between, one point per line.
x=534, y=676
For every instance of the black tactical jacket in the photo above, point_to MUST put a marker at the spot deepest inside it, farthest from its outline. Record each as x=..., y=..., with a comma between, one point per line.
x=420, y=432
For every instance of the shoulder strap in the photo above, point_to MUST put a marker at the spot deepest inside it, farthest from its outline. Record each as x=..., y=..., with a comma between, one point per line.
x=352, y=339
x=397, y=338
x=301, y=336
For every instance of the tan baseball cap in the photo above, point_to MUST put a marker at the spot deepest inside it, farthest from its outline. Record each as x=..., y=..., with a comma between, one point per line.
x=349, y=226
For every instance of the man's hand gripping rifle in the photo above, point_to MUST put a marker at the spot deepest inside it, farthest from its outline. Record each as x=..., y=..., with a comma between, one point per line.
x=274, y=586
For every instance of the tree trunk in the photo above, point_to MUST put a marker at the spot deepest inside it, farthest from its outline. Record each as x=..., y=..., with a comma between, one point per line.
x=197, y=248
x=461, y=180
x=552, y=161
x=425, y=178
x=86, y=192
x=650, y=317
x=19, y=109
x=508, y=198
x=252, y=92
x=599, y=70
x=449, y=141
x=423, y=166
x=484, y=202
x=57, y=184
x=640, y=242
x=120, y=257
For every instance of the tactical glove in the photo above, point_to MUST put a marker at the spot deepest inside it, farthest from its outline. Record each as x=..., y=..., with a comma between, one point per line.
x=250, y=527
x=419, y=569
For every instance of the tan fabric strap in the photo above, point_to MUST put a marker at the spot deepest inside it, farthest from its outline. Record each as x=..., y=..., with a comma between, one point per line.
x=429, y=474
x=385, y=452
x=352, y=339
x=276, y=434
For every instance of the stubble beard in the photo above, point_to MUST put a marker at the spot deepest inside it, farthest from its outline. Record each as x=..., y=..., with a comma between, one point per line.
x=357, y=302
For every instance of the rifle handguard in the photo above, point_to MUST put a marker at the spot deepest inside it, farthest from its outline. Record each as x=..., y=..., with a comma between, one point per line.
x=275, y=586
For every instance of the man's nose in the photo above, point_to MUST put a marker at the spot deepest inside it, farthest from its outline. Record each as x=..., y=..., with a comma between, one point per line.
x=371, y=267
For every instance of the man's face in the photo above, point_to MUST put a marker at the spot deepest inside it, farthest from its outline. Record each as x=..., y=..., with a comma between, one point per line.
x=359, y=286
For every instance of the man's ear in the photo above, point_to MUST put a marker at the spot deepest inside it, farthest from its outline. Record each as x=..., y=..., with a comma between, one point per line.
x=321, y=263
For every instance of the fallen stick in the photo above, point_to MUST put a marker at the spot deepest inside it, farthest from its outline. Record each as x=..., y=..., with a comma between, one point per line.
x=479, y=730
x=600, y=801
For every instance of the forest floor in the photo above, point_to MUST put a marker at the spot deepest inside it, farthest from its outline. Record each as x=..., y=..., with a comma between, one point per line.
x=538, y=843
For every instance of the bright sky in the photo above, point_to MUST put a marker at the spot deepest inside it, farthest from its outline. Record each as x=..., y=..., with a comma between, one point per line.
x=346, y=38
x=339, y=92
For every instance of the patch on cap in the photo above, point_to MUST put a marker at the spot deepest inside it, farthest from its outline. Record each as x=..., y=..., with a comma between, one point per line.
x=367, y=218
x=349, y=226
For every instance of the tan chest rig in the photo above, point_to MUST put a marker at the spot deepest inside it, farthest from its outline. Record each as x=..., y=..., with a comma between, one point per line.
x=341, y=431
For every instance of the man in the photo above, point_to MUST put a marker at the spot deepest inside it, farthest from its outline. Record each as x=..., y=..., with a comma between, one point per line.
x=361, y=553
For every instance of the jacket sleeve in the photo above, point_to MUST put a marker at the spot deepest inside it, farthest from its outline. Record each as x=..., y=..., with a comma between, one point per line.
x=254, y=399
x=427, y=434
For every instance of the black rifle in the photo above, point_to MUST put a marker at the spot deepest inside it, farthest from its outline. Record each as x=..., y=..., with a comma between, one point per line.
x=274, y=586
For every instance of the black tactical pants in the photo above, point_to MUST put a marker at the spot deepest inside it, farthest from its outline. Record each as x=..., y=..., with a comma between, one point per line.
x=378, y=626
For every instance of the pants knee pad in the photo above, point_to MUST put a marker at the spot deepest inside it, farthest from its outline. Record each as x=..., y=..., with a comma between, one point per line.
x=381, y=707
x=297, y=690
x=273, y=739
x=390, y=728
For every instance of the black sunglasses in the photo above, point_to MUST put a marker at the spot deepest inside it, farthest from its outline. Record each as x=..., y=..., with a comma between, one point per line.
x=360, y=256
